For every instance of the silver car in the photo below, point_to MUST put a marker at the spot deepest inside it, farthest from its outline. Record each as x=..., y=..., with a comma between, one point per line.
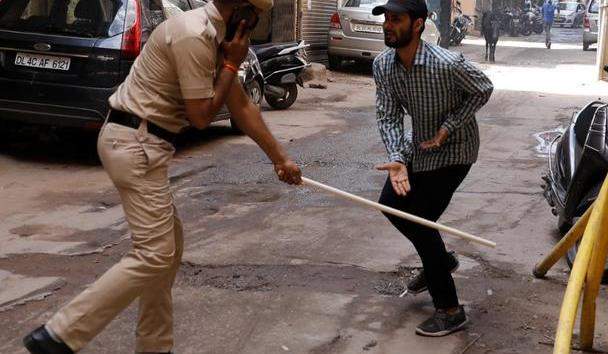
x=590, y=24
x=357, y=34
x=570, y=14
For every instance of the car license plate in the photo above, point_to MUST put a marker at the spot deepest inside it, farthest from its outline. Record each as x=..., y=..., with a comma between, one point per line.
x=42, y=61
x=367, y=28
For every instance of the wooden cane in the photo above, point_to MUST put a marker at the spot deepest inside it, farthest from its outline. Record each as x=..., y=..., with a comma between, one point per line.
x=401, y=214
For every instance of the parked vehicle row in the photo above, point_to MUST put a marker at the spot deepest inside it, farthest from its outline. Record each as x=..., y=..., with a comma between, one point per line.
x=61, y=60
x=516, y=22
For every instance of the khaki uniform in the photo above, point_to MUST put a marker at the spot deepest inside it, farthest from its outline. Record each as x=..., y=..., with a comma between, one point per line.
x=178, y=62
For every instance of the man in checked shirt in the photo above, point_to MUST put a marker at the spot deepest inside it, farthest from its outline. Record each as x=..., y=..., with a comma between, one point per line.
x=441, y=92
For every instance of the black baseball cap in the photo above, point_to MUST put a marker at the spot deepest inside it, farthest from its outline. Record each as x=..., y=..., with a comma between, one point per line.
x=416, y=8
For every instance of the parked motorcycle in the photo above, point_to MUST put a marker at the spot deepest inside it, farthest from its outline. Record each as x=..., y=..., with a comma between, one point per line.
x=510, y=22
x=282, y=65
x=460, y=28
x=504, y=17
x=538, y=25
x=578, y=165
x=526, y=20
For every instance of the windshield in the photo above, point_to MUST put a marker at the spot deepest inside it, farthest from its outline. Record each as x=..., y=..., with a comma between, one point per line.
x=595, y=7
x=568, y=6
x=81, y=18
x=364, y=3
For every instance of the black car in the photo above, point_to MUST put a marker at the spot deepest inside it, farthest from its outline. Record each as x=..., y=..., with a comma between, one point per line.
x=60, y=60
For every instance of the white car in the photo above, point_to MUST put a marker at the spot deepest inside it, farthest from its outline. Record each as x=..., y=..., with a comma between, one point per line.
x=357, y=34
x=570, y=14
x=591, y=24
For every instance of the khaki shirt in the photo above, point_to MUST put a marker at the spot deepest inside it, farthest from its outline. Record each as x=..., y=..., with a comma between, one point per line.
x=178, y=62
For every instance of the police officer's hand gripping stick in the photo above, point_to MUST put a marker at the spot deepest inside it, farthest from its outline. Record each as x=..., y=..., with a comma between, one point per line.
x=413, y=218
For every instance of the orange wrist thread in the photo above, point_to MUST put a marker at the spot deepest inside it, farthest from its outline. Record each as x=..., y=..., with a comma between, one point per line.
x=231, y=67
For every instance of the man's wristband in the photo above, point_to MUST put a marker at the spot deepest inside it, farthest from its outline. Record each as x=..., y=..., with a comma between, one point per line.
x=231, y=67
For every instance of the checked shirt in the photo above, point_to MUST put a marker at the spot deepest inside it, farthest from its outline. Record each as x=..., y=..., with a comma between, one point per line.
x=442, y=89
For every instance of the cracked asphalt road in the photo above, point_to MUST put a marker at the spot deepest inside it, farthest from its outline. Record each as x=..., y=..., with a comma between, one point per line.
x=270, y=268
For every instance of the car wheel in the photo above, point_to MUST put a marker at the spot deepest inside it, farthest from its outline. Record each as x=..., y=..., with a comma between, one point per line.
x=255, y=92
x=334, y=62
x=291, y=93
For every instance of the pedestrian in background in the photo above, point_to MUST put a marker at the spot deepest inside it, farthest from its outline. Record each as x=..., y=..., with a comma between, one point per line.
x=185, y=73
x=441, y=91
x=548, y=17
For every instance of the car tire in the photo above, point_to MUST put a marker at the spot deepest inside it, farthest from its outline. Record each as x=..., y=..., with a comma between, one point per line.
x=255, y=92
x=334, y=62
x=285, y=101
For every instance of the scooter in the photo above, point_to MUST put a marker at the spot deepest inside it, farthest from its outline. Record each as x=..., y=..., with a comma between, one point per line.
x=282, y=65
x=460, y=28
x=526, y=21
x=511, y=22
x=577, y=167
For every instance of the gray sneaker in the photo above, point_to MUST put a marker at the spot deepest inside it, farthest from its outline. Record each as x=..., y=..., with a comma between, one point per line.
x=441, y=324
x=418, y=284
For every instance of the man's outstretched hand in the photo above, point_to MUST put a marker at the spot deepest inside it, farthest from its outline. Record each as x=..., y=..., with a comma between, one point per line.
x=288, y=172
x=397, y=173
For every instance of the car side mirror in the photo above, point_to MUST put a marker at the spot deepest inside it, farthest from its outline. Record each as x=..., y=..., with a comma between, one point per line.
x=433, y=16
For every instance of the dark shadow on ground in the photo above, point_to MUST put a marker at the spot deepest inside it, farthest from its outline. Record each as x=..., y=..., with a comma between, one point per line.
x=52, y=145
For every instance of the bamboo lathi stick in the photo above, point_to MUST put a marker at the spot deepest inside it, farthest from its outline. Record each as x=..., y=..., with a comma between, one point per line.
x=413, y=218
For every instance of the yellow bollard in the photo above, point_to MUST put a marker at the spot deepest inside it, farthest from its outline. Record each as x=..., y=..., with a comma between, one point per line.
x=572, y=297
x=560, y=249
x=598, y=224
x=567, y=316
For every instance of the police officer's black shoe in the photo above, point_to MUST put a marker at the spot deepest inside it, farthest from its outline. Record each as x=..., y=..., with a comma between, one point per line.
x=418, y=284
x=40, y=341
x=441, y=323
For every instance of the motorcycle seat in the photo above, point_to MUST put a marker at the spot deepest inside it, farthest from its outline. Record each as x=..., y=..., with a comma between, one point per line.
x=267, y=51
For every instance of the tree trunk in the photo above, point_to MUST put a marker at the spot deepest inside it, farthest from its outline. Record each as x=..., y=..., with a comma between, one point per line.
x=444, y=22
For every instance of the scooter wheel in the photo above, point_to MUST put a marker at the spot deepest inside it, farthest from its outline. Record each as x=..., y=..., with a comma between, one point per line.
x=291, y=93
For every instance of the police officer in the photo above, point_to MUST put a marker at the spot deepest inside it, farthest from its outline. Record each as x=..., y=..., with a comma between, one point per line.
x=186, y=72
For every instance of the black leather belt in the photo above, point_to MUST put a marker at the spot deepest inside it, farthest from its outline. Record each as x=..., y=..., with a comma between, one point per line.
x=133, y=121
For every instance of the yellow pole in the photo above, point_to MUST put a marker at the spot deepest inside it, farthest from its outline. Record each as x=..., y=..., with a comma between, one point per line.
x=572, y=297
x=567, y=316
x=598, y=224
x=560, y=249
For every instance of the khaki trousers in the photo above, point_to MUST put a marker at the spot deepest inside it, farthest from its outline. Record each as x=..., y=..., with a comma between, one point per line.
x=137, y=162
